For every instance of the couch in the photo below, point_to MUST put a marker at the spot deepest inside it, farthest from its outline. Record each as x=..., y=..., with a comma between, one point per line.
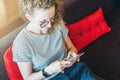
x=102, y=54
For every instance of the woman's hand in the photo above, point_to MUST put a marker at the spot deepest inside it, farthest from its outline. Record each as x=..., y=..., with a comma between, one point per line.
x=57, y=66
x=72, y=54
x=60, y=65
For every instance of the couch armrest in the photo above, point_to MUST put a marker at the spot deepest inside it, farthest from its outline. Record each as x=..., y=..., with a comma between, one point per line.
x=5, y=42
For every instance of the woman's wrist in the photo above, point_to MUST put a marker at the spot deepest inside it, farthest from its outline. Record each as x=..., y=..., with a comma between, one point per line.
x=44, y=73
x=72, y=53
x=73, y=49
x=48, y=70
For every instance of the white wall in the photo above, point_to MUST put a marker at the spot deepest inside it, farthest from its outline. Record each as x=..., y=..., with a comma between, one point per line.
x=2, y=13
x=9, y=16
x=9, y=11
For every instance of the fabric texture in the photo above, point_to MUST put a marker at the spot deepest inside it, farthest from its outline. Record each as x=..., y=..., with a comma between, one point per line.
x=11, y=67
x=75, y=10
x=88, y=29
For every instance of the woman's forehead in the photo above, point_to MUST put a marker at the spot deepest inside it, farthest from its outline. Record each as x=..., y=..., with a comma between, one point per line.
x=44, y=13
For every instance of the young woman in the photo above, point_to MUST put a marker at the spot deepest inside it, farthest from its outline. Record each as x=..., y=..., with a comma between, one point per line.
x=42, y=48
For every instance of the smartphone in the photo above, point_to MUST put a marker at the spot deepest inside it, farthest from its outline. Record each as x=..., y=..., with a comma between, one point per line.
x=76, y=57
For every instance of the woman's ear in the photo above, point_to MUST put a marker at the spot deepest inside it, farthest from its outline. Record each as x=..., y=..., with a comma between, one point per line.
x=27, y=15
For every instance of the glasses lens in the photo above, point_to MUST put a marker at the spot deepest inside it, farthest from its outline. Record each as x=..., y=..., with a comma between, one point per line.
x=45, y=23
x=42, y=25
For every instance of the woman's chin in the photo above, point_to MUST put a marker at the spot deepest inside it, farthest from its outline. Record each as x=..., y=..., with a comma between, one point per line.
x=44, y=33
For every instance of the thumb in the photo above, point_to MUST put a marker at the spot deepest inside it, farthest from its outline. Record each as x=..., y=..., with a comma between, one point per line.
x=69, y=55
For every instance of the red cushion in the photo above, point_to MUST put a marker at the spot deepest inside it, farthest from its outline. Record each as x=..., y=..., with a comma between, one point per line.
x=11, y=67
x=88, y=29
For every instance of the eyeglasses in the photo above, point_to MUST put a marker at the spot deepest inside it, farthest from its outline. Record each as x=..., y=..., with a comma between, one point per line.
x=44, y=23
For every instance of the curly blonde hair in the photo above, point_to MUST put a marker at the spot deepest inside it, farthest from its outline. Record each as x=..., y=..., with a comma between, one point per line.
x=30, y=5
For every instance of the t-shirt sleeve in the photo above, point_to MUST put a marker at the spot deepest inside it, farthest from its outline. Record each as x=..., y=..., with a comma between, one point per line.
x=21, y=53
x=63, y=29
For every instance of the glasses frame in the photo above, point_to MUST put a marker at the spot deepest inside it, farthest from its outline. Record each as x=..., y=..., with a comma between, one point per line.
x=46, y=22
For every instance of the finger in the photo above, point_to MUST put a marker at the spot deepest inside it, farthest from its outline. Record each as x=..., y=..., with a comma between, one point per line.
x=62, y=69
x=68, y=65
x=65, y=62
x=69, y=54
x=74, y=54
x=68, y=57
x=65, y=59
x=78, y=59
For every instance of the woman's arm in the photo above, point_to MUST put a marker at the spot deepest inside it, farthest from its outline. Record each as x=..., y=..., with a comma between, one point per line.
x=27, y=73
x=71, y=48
x=69, y=45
